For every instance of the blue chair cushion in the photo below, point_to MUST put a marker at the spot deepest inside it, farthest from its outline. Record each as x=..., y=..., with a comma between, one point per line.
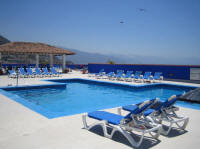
x=148, y=112
x=130, y=107
x=109, y=117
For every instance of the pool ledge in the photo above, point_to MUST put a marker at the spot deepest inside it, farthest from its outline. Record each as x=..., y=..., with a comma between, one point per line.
x=38, y=86
x=122, y=84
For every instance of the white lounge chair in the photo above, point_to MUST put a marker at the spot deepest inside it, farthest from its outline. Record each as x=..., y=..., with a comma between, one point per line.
x=124, y=124
x=164, y=112
x=12, y=74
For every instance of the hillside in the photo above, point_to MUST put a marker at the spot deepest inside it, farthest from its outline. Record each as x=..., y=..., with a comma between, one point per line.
x=3, y=40
x=86, y=57
x=82, y=57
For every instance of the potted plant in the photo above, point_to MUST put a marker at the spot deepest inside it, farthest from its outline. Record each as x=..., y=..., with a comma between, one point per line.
x=1, y=71
x=84, y=70
x=66, y=70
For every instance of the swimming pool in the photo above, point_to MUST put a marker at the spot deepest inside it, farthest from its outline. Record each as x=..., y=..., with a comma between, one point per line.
x=81, y=95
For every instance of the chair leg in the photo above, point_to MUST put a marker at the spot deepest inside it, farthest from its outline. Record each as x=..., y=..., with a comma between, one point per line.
x=184, y=120
x=119, y=111
x=101, y=123
x=166, y=132
x=127, y=136
x=158, y=127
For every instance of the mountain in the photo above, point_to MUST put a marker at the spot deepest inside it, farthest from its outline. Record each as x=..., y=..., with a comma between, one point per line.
x=87, y=57
x=3, y=40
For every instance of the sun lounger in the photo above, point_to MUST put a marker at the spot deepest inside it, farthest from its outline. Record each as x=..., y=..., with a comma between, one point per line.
x=39, y=73
x=123, y=124
x=164, y=111
x=46, y=72
x=30, y=72
x=22, y=73
x=119, y=75
x=100, y=74
x=134, y=106
x=96, y=74
x=167, y=113
x=128, y=76
x=54, y=72
x=110, y=75
x=12, y=74
x=157, y=76
x=137, y=75
x=146, y=76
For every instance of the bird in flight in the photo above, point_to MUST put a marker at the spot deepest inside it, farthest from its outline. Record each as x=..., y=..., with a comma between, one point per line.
x=141, y=9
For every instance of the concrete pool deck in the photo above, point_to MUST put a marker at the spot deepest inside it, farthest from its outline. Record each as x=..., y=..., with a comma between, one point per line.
x=22, y=128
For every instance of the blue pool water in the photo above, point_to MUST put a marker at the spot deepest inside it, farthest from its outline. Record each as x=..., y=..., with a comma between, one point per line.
x=83, y=96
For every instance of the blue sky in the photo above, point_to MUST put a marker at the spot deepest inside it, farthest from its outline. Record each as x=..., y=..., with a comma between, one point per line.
x=166, y=28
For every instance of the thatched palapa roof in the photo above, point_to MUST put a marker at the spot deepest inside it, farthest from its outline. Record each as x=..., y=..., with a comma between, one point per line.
x=32, y=48
x=3, y=40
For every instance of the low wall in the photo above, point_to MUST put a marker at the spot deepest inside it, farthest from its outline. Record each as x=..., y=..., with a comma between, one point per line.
x=169, y=71
x=76, y=66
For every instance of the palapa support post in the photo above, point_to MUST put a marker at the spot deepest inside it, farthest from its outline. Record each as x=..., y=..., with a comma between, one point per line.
x=37, y=60
x=64, y=62
x=51, y=60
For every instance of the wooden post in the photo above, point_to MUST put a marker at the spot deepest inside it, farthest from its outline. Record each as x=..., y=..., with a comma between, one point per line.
x=26, y=60
x=37, y=60
x=64, y=62
x=51, y=60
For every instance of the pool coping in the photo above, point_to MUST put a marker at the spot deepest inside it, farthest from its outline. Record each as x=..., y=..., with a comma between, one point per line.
x=48, y=114
x=124, y=84
x=35, y=86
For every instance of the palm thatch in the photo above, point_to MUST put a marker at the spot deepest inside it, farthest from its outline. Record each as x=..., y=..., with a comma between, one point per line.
x=32, y=48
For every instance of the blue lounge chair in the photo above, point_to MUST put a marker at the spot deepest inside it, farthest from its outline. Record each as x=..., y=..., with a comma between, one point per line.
x=54, y=72
x=133, y=107
x=124, y=124
x=46, y=72
x=94, y=74
x=157, y=76
x=146, y=76
x=12, y=74
x=22, y=72
x=137, y=75
x=119, y=75
x=110, y=75
x=164, y=111
x=128, y=76
x=39, y=73
x=100, y=74
x=30, y=72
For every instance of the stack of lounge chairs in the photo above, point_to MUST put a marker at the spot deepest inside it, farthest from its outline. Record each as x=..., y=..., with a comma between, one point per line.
x=33, y=72
x=128, y=76
x=145, y=118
